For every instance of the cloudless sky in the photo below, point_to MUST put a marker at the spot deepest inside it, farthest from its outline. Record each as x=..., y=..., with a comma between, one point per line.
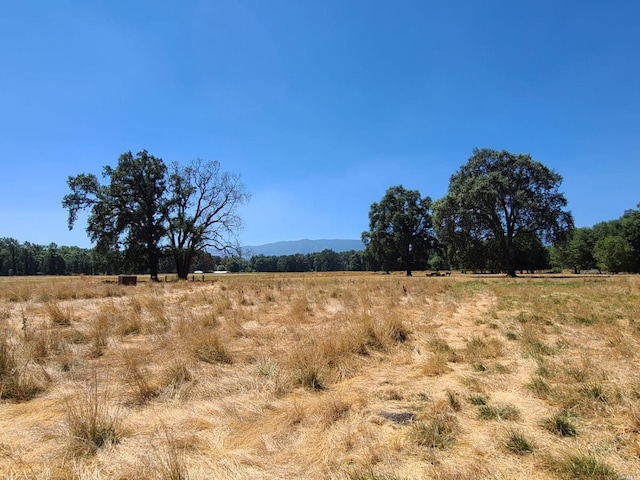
x=319, y=105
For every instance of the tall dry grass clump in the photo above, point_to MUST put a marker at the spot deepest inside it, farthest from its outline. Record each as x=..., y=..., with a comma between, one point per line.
x=58, y=315
x=18, y=382
x=92, y=422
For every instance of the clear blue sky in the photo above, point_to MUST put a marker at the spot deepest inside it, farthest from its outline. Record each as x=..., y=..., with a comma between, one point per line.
x=319, y=105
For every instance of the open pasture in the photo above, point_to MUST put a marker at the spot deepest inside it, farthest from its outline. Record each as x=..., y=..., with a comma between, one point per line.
x=337, y=376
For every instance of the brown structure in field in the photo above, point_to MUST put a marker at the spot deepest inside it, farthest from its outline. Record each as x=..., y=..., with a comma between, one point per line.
x=127, y=279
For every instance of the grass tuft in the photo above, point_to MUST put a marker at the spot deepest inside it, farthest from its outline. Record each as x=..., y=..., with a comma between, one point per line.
x=170, y=463
x=208, y=348
x=16, y=383
x=517, y=443
x=477, y=400
x=500, y=412
x=540, y=387
x=57, y=315
x=438, y=432
x=585, y=466
x=92, y=424
x=561, y=424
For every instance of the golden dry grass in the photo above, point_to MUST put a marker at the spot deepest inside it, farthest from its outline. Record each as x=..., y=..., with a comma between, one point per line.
x=340, y=376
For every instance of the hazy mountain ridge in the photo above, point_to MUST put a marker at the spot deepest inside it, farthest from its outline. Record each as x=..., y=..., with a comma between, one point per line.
x=302, y=246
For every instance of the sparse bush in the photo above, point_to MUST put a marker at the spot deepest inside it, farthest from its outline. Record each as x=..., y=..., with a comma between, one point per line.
x=435, y=365
x=309, y=376
x=442, y=348
x=99, y=330
x=510, y=335
x=369, y=474
x=535, y=348
x=380, y=333
x=595, y=391
x=168, y=462
x=142, y=387
x=478, y=349
x=176, y=379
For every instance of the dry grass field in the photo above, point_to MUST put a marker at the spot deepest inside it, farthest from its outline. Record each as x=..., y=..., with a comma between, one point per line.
x=322, y=377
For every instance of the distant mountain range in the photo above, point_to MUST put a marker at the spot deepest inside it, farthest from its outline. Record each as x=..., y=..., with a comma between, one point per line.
x=301, y=246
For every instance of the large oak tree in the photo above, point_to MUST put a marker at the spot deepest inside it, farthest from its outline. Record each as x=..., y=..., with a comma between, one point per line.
x=129, y=213
x=147, y=212
x=496, y=199
x=400, y=229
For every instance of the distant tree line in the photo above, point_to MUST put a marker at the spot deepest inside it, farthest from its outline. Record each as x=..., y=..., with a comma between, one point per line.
x=503, y=212
x=27, y=258
x=31, y=259
x=612, y=246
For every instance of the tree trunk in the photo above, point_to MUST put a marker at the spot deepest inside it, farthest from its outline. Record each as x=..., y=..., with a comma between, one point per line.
x=183, y=264
x=510, y=254
x=408, y=272
x=154, y=270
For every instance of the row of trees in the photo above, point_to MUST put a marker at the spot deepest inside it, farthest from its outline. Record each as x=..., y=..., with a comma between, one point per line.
x=324, y=261
x=500, y=213
x=148, y=211
x=613, y=246
x=31, y=259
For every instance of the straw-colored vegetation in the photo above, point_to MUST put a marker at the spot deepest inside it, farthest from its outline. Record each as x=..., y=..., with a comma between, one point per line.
x=330, y=377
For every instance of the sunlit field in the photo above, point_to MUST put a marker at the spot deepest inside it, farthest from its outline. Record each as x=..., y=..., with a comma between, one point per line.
x=337, y=376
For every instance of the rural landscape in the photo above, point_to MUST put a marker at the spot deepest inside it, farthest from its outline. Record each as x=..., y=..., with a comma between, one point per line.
x=337, y=240
x=462, y=343
x=337, y=376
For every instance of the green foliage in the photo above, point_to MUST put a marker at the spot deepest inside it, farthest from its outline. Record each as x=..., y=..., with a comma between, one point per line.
x=613, y=254
x=400, y=229
x=577, y=251
x=30, y=259
x=129, y=213
x=498, y=210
